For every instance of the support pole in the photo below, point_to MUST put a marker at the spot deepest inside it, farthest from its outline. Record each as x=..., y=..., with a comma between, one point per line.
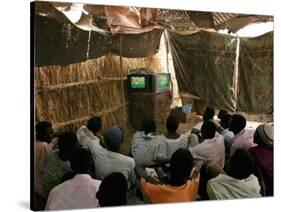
x=122, y=85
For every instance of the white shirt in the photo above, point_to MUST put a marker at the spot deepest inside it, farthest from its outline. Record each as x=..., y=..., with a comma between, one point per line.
x=173, y=145
x=147, y=148
x=243, y=140
x=79, y=192
x=106, y=161
x=210, y=149
x=226, y=187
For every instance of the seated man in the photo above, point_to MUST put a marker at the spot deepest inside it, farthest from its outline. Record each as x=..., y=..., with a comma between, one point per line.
x=43, y=148
x=263, y=155
x=58, y=162
x=239, y=182
x=113, y=190
x=94, y=125
x=208, y=115
x=146, y=145
x=227, y=134
x=182, y=184
x=212, y=148
x=79, y=192
x=243, y=138
x=115, y=161
x=172, y=139
x=86, y=134
x=108, y=160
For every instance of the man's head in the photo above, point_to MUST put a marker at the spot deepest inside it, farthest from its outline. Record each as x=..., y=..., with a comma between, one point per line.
x=225, y=119
x=221, y=113
x=172, y=124
x=81, y=161
x=209, y=113
x=208, y=130
x=148, y=126
x=67, y=143
x=237, y=123
x=94, y=124
x=113, y=137
x=181, y=166
x=113, y=190
x=241, y=164
x=44, y=131
x=264, y=135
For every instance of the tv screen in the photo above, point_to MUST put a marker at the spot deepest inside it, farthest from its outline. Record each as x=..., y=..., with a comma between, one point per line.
x=138, y=82
x=163, y=81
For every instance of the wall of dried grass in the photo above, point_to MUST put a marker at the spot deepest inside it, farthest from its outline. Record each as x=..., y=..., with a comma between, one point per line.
x=68, y=96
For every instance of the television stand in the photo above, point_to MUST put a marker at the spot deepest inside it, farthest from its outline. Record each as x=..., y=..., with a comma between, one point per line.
x=149, y=105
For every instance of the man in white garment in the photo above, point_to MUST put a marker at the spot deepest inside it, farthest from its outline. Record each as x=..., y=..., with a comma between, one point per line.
x=108, y=160
x=79, y=192
x=173, y=140
x=211, y=148
x=147, y=147
x=243, y=138
x=238, y=182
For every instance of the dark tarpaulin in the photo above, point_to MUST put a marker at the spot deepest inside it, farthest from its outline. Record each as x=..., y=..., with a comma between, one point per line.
x=137, y=45
x=256, y=74
x=59, y=43
x=204, y=65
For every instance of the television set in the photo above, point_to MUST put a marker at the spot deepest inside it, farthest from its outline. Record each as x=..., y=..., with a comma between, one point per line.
x=147, y=82
x=161, y=82
x=139, y=82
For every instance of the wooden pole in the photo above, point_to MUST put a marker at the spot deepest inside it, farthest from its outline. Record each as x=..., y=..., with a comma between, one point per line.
x=122, y=85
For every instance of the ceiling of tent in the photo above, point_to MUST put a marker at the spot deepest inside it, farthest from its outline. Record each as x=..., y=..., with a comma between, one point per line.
x=134, y=20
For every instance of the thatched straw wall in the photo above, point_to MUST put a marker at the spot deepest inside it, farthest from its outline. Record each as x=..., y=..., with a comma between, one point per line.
x=68, y=95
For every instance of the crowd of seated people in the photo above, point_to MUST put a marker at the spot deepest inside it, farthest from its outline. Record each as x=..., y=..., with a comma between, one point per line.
x=221, y=159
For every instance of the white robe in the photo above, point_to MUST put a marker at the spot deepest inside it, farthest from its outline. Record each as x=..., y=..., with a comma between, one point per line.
x=210, y=150
x=226, y=187
x=106, y=161
x=147, y=148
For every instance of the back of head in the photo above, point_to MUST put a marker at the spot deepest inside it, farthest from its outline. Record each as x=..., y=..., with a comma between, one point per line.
x=44, y=131
x=181, y=166
x=208, y=130
x=225, y=119
x=172, y=124
x=237, y=123
x=67, y=143
x=113, y=190
x=241, y=164
x=113, y=137
x=221, y=113
x=148, y=126
x=94, y=124
x=81, y=161
x=264, y=135
x=209, y=113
